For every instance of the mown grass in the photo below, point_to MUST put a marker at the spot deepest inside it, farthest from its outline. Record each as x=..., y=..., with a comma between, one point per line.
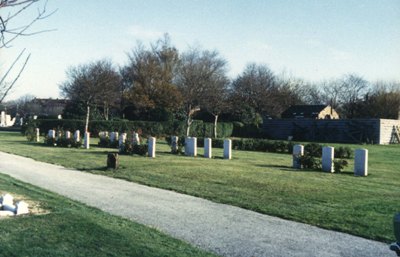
x=73, y=229
x=263, y=182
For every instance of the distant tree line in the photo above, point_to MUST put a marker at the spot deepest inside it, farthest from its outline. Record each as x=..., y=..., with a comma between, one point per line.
x=158, y=83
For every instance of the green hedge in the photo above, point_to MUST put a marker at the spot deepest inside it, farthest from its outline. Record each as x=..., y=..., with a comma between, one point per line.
x=148, y=128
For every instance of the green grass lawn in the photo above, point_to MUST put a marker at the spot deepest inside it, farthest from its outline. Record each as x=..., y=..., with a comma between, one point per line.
x=263, y=182
x=73, y=229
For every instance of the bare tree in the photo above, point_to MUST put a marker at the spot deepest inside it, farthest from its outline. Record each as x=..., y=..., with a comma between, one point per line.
x=93, y=84
x=10, y=30
x=344, y=93
x=200, y=78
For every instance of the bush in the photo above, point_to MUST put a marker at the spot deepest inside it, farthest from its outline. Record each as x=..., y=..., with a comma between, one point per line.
x=62, y=142
x=313, y=149
x=343, y=152
x=149, y=128
x=310, y=162
x=339, y=165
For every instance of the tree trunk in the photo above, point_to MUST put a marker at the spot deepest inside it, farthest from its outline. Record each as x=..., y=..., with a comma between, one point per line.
x=106, y=111
x=87, y=117
x=188, y=123
x=215, y=125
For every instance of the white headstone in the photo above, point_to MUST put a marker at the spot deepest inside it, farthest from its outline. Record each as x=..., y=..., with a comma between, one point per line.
x=361, y=162
x=227, y=149
x=67, y=134
x=37, y=137
x=152, y=147
x=328, y=154
x=174, y=144
x=207, y=147
x=135, y=139
x=112, y=137
x=193, y=147
x=77, y=136
x=3, y=119
x=86, y=143
x=298, y=151
x=7, y=199
x=188, y=142
x=121, y=142
x=52, y=133
x=21, y=208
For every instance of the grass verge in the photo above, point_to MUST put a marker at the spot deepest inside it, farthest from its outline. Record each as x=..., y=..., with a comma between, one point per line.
x=263, y=182
x=73, y=229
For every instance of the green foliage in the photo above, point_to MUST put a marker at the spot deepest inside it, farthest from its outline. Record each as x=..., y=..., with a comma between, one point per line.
x=179, y=148
x=148, y=128
x=62, y=142
x=313, y=149
x=339, y=165
x=310, y=162
x=343, y=152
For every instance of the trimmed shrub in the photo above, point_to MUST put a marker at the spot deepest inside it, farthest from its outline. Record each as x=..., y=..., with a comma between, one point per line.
x=339, y=165
x=148, y=128
x=313, y=149
x=310, y=162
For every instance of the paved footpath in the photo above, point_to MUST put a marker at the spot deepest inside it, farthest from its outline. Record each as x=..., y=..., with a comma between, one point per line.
x=222, y=229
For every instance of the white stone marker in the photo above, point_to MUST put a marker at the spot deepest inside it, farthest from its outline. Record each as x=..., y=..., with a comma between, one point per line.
x=37, y=137
x=188, y=142
x=77, y=136
x=7, y=199
x=3, y=119
x=207, y=147
x=152, y=147
x=193, y=149
x=67, y=134
x=21, y=208
x=298, y=151
x=328, y=154
x=361, y=162
x=135, y=139
x=52, y=133
x=87, y=140
x=174, y=144
x=121, y=142
x=227, y=149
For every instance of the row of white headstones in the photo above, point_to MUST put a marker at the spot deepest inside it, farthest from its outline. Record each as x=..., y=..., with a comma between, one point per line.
x=360, y=156
x=328, y=155
x=190, y=142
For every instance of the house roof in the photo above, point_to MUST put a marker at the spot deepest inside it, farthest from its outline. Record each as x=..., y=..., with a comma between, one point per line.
x=49, y=101
x=306, y=111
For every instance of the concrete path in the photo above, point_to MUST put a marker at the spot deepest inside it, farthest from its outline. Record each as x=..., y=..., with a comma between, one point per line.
x=219, y=228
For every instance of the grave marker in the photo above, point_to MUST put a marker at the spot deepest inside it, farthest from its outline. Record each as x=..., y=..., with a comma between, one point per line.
x=328, y=154
x=361, y=162
x=87, y=140
x=152, y=147
x=227, y=149
x=298, y=152
x=207, y=147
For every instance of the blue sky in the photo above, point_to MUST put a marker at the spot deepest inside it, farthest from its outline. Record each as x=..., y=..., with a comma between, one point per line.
x=309, y=39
